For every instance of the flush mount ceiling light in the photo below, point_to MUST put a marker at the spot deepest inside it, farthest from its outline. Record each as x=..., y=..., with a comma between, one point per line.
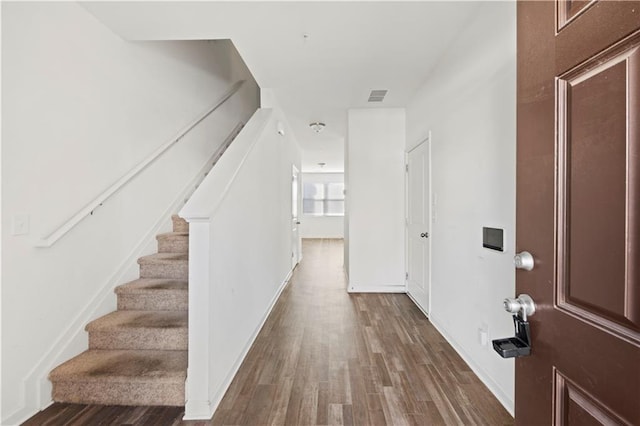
x=322, y=164
x=317, y=126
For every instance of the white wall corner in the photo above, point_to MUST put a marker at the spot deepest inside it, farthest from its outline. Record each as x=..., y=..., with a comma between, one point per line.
x=268, y=98
x=198, y=404
x=198, y=410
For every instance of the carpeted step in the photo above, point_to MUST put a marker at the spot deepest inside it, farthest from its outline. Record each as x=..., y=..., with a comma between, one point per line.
x=122, y=377
x=149, y=294
x=165, y=265
x=138, y=354
x=179, y=224
x=173, y=242
x=164, y=330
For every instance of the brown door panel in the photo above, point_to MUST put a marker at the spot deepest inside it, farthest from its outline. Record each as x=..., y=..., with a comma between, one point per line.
x=599, y=26
x=578, y=210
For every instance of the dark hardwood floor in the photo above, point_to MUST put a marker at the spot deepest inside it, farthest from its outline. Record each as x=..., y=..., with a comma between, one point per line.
x=325, y=357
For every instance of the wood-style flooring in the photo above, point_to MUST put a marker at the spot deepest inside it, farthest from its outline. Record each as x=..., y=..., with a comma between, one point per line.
x=325, y=357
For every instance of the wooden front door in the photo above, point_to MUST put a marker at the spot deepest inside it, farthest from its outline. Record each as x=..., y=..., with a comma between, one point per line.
x=578, y=210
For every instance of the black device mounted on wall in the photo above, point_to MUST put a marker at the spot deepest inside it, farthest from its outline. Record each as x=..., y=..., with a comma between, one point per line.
x=493, y=238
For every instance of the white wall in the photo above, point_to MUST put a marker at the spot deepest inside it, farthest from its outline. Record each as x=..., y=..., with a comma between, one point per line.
x=375, y=193
x=81, y=107
x=469, y=105
x=321, y=226
x=239, y=253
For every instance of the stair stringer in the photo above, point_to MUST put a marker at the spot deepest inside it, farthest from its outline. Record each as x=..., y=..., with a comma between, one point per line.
x=74, y=339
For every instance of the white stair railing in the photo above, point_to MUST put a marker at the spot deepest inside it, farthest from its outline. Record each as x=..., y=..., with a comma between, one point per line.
x=89, y=208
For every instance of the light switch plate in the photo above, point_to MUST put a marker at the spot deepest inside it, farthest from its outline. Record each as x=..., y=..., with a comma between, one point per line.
x=483, y=334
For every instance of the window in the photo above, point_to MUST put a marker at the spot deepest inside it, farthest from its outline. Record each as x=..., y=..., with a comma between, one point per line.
x=323, y=198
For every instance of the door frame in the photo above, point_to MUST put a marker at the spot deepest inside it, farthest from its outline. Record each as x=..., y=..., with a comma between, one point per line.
x=427, y=140
x=296, y=246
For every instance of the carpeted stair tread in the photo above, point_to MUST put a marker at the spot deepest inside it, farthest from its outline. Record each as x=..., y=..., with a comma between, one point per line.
x=122, y=377
x=120, y=365
x=165, y=330
x=179, y=224
x=140, y=319
x=172, y=234
x=153, y=294
x=173, y=242
x=150, y=285
x=165, y=265
x=164, y=258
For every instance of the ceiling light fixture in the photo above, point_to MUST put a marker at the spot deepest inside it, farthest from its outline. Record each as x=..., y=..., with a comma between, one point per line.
x=322, y=164
x=317, y=126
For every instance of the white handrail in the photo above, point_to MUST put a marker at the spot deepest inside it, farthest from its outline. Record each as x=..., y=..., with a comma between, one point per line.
x=204, y=202
x=54, y=236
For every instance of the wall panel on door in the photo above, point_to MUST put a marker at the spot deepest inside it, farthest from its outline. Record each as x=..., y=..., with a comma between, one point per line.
x=568, y=10
x=598, y=171
x=574, y=406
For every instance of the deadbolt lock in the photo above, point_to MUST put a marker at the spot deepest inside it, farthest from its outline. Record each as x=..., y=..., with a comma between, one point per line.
x=524, y=260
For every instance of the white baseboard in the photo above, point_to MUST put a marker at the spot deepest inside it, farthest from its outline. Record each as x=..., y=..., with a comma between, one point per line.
x=390, y=288
x=21, y=416
x=205, y=410
x=199, y=410
x=505, y=400
x=36, y=388
x=415, y=302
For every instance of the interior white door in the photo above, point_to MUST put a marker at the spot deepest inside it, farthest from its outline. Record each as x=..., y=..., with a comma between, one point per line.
x=295, y=220
x=418, y=221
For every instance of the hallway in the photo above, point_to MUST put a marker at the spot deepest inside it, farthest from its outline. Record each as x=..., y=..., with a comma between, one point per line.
x=325, y=357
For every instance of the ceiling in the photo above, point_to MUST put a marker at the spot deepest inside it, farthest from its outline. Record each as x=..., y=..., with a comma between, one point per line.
x=318, y=58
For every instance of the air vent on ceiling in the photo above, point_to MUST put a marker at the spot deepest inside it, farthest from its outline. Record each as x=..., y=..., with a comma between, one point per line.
x=377, y=95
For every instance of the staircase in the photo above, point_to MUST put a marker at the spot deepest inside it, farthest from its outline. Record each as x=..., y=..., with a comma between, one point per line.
x=138, y=354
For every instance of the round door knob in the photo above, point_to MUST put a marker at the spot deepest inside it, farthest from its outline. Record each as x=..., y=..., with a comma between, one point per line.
x=524, y=260
x=512, y=305
x=425, y=235
x=523, y=305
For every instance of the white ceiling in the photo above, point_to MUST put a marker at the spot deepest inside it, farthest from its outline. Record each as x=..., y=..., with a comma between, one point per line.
x=350, y=49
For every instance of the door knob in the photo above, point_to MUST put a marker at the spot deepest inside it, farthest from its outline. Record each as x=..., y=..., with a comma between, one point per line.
x=522, y=305
x=425, y=235
x=524, y=260
x=520, y=344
